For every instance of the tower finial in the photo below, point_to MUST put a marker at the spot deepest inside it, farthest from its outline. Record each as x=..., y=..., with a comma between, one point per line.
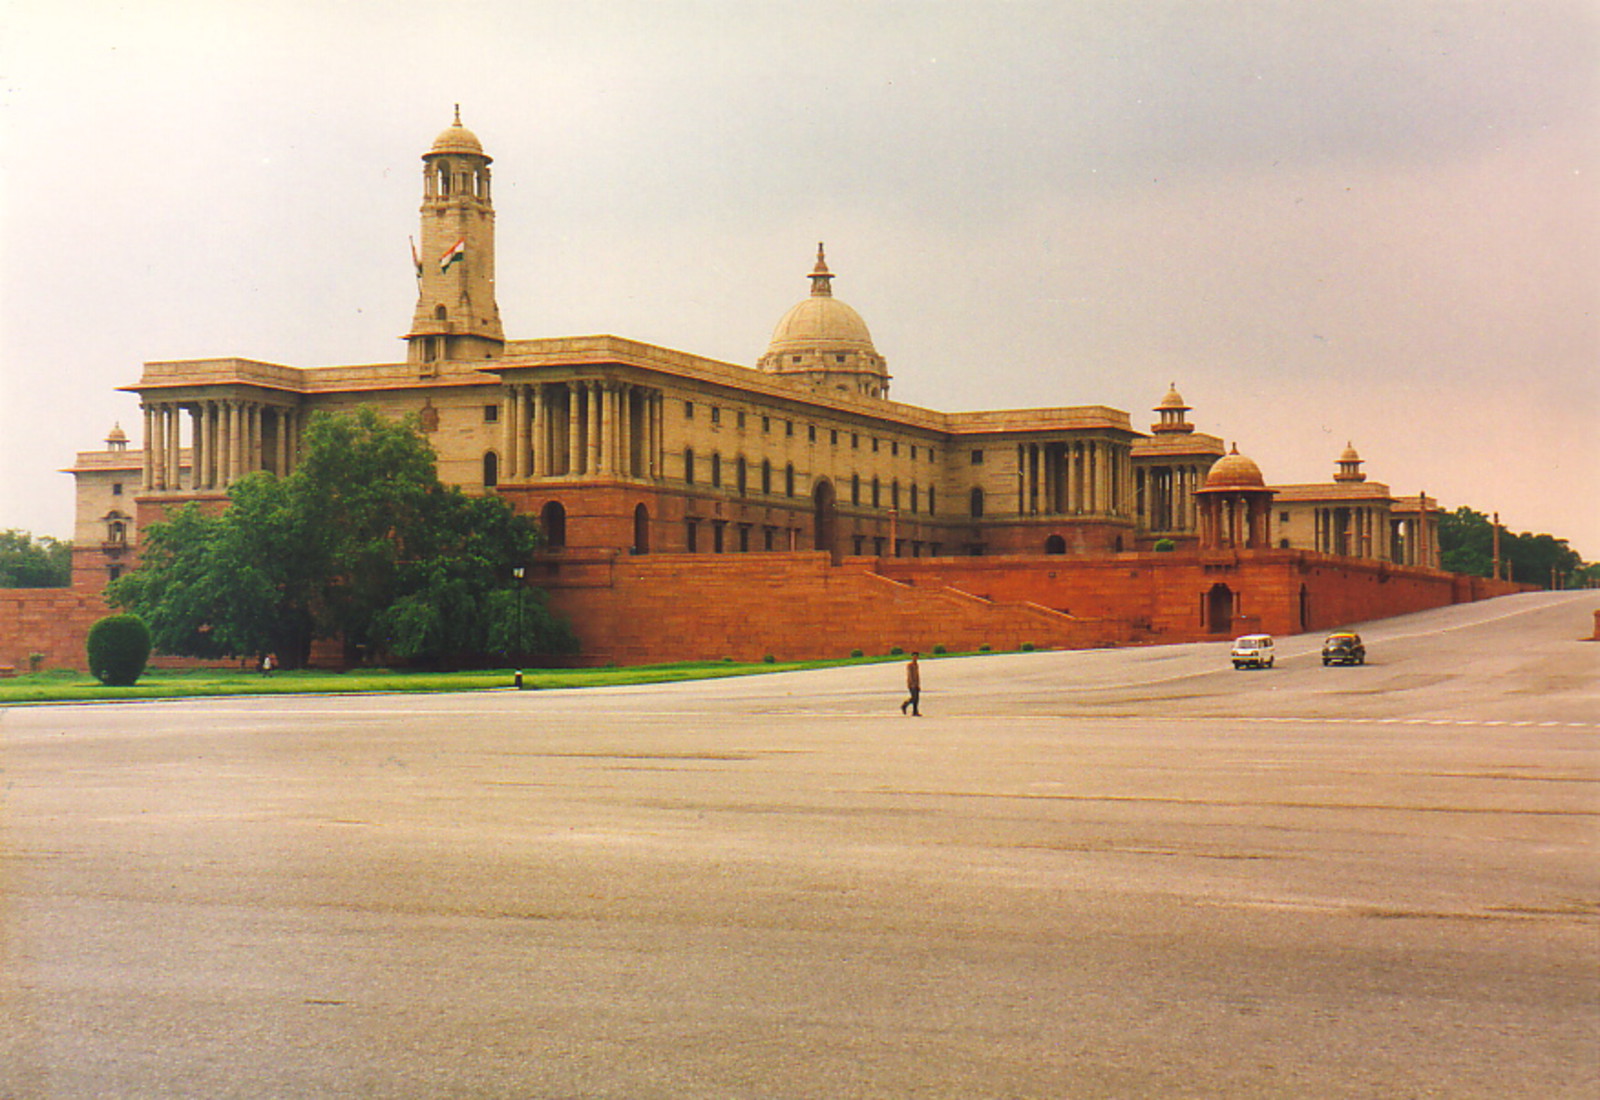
x=821, y=287
x=458, y=114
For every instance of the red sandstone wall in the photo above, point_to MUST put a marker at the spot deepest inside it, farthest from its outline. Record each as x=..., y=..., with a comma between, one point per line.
x=51, y=621
x=677, y=607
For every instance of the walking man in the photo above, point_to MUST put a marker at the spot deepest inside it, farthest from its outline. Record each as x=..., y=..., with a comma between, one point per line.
x=914, y=686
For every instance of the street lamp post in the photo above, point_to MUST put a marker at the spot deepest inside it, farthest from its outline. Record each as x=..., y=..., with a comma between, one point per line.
x=517, y=573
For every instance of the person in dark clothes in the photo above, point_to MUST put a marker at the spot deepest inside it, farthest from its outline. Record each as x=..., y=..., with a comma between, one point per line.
x=914, y=686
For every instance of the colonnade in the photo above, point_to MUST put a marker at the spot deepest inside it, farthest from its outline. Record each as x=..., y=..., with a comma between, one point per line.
x=1353, y=532
x=594, y=427
x=229, y=438
x=1166, y=496
x=1235, y=520
x=1092, y=477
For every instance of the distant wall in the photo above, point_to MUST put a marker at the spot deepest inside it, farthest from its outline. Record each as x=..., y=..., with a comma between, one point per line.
x=51, y=621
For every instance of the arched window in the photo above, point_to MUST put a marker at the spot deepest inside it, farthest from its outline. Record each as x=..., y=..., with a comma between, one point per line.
x=444, y=177
x=491, y=469
x=688, y=465
x=930, y=502
x=716, y=469
x=553, y=518
x=117, y=533
x=877, y=494
x=766, y=477
x=894, y=494
x=440, y=313
x=740, y=474
x=788, y=480
x=913, y=502
x=641, y=530
x=977, y=503
x=855, y=488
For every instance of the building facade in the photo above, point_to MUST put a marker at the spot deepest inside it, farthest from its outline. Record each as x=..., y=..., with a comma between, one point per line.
x=623, y=449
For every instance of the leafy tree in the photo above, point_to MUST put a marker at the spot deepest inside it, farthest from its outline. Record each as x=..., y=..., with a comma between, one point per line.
x=1466, y=544
x=27, y=562
x=360, y=542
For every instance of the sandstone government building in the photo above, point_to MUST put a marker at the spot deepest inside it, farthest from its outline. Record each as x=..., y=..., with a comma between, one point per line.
x=694, y=508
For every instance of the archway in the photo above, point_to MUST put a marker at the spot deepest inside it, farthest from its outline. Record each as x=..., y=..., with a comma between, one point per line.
x=1219, y=609
x=641, y=530
x=825, y=519
x=553, y=518
x=1055, y=544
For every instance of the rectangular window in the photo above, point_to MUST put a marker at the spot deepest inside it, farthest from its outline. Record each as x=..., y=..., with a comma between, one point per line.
x=855, y=441
x=766, y=424
x=491, y=414
x=875, y=493
x=691, y=531
x=716, y=471
x=716, y=414
x=116, y=488
x=688, y=410
x=788, y=427
x=913, y=452
x=688, y=465
x=874, y=444
x=833, y=435
x=977, y=458
x=741, y=421
x=811, y=432
x=1283, y=517
x=894, y=448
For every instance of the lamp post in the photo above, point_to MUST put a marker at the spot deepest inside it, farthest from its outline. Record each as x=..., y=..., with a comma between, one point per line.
x=517, y=573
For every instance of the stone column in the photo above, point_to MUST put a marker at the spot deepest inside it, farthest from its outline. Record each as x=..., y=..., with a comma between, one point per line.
x=148, y=481
x=508, y=432
x=174, y=453
x=593, y=395
x=538, y=453
x=575, y=423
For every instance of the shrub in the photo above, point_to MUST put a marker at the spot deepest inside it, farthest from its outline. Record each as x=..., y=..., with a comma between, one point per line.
x=1027, y=647
x=118, y=647
x=1165, y=546
x=35, y=661
x=896, y=652
x=983, y=648
x=856, y=653
x=770, y=659
x=939, y=651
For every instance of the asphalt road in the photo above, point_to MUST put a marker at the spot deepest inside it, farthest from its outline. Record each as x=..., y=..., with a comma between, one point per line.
x=1103, y=874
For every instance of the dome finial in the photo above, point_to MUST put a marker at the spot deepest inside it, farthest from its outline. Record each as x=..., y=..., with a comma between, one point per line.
x=821, y=285
x=458, y=114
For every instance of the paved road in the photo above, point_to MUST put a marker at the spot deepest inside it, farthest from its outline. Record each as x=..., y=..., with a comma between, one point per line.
x=1114, y=873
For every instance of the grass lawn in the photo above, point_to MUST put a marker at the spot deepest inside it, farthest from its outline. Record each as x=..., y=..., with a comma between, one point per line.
x=62, y=686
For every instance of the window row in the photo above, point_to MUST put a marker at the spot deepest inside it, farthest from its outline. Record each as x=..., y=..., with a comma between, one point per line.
x=875, y=443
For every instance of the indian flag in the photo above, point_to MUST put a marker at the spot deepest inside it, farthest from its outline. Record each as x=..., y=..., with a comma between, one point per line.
x=458, y=251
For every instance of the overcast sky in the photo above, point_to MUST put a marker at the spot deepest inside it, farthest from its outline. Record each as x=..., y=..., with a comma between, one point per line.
x=1324, y=220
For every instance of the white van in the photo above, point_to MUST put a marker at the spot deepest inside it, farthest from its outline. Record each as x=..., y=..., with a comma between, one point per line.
x=1253, y=651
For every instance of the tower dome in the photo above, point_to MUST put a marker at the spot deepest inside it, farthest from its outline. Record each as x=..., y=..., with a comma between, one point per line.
x=1171, y=411
x=1235, y=471
x=1349, y=465
x=823, y=341
x=456, y=138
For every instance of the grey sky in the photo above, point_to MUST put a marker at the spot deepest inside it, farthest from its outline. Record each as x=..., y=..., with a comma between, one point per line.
x=1325, y=221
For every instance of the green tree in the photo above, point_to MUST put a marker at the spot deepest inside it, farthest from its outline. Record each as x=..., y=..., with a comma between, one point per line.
x=361, y=542
x=28, y=562
x=118, y=647
x=1466, y=545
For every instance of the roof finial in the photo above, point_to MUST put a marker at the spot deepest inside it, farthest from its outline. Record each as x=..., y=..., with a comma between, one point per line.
x=458, y=114
x=820, y=276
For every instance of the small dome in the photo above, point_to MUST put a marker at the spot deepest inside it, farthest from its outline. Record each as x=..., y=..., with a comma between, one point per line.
x=117, y=435
x=1173, y=400
x=456, y=138
x=1349, y=454
x=1235, y=471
